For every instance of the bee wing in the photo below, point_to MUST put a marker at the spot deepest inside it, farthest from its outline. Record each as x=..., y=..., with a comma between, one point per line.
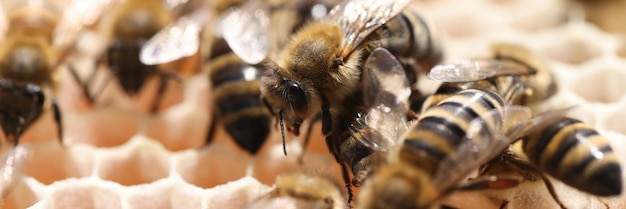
x=79, y=14
x=386, y=91
x=483, y=142
x=177, y=40
x=12, y=165
x=477, y=69
x=247, y=31
x=550, y=117
x=358, y=18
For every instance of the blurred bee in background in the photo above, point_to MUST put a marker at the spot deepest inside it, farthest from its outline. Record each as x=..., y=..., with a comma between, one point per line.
x=321, y=66
x=28, y=61
x=302, y=189
x=235, y=81
x=129, y=26
x=507, y=64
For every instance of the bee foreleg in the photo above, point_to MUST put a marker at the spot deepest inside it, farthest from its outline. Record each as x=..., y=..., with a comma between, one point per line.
x=82, y=84
x=346, y=180
x=327, y=120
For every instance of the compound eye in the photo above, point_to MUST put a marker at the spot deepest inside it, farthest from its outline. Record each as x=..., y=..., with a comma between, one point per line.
x=297, y=97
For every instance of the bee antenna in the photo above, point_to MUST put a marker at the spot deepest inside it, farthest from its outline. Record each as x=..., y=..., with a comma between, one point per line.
x=282, y=131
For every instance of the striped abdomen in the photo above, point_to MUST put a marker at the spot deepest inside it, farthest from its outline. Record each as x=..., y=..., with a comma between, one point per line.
x=442, y=128
x=576, y=154
x=237, y=103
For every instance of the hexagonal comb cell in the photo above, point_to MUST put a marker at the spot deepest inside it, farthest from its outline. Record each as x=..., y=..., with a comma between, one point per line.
x=601, y=83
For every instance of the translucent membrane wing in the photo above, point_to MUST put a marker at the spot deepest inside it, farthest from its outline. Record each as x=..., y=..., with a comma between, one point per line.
x=177, y=40
x=483, y=142
x=385, y=94
x=12, y=165
x=540, y=121
x=79, y=14
x=247, y=31
x=476, y=69
x=358, y=18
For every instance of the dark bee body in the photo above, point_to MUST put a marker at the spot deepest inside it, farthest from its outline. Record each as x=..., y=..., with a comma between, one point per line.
x=574, y=153
x=130, y=26
x=236, y=101
x=27, y=63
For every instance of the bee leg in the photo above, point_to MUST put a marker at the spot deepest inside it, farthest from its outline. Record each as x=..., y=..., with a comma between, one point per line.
x=327, y=120
x=551, y=189
x=211, y=132
x=504, y=204
x=531, y=170
x=57, y=119
x=346, y=180
x=307, y=136
x=82, y=84
x=446, y=207
x=162, y=88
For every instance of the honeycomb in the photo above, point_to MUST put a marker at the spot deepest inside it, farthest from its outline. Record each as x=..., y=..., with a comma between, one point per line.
x=119, y=155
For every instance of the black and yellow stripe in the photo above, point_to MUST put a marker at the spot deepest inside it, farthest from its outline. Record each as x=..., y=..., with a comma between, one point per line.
x=442, y=128
x=237, y=103
x=576, y=154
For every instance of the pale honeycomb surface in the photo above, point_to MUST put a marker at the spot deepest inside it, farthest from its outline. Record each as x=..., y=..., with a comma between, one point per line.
x=159, y=162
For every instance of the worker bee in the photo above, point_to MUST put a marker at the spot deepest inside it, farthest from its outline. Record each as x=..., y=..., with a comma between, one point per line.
x=129, y=27
x=564, y=148
x=302, y=189
x=508, y=63
x=377, y=117
x=447, y=142
x=28, y=61
x=12, y=165
x=321, y=66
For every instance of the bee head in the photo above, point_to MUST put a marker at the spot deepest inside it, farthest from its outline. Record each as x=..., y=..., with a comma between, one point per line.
x=286, y=98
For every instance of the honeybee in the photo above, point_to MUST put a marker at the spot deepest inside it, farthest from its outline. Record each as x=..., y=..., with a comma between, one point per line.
x=565, y=148
x=28, y=61
x=321, y=66
x=377, y=117
x=129, y=27
x=302, y=189
x=508, y=63
x=447, y=142
x=12, y=165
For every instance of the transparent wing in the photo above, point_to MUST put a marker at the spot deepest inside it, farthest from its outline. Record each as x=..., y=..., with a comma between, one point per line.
x=386, y=91
x=12, y=165
x=358, y=18
x=541, y=120
x=177, y=40
x=483, y=142
x=79, y=14
x=477, y=69
x=247, y=31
